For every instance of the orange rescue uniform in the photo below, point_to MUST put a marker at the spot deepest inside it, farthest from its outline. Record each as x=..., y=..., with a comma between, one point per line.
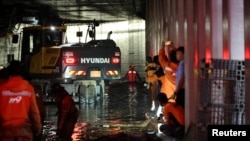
x=19, y=114
x=168, y=79
x=176, y=110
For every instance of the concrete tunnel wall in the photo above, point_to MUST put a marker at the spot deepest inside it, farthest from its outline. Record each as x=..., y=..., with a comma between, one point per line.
x=208, y=29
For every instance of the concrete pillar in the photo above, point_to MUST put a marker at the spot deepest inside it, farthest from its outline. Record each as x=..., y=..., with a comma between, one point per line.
x=190, y=97
x=216, y=29
x=165, y=19
x=201, y=30
x=180, y=23
x=236, y=29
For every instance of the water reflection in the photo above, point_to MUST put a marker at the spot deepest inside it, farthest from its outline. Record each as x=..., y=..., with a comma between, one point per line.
x=124, y=106
x=128, y=102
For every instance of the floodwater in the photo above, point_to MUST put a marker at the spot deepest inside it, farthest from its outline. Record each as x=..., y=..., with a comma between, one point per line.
x=120, y=110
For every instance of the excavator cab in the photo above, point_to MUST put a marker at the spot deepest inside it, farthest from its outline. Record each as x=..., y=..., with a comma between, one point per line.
x=37, y=37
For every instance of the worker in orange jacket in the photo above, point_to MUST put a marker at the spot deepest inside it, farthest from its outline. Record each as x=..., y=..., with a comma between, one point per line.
x=169, y=64
x=19, y=114
x=169, y=68
x=173, y=119
x=67, y=113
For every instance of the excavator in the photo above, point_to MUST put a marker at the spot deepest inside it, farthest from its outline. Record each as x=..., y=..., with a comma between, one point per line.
x=84, y=69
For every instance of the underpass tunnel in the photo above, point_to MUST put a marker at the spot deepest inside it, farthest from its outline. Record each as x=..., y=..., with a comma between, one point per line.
x=209, y=30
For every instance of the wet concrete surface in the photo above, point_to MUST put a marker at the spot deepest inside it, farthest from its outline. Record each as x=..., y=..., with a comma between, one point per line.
x=119, y=112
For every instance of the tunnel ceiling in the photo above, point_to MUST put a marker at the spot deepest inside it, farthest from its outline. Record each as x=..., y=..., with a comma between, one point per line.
x=48, y=12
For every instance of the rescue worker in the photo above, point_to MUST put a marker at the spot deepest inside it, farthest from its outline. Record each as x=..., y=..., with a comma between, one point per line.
x=132, y=75
x=67, y=113
x=179, y=93
x=152, y=67
x=19, y=114
x=169, y=66
x=173, y=120
x=170, y=50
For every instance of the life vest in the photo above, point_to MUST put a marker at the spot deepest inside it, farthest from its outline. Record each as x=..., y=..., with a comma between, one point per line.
x=132, y=74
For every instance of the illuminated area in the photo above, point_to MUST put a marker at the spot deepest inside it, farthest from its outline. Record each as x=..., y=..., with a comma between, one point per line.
x=247, y=53
x=128, y=35
x=52, y=28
